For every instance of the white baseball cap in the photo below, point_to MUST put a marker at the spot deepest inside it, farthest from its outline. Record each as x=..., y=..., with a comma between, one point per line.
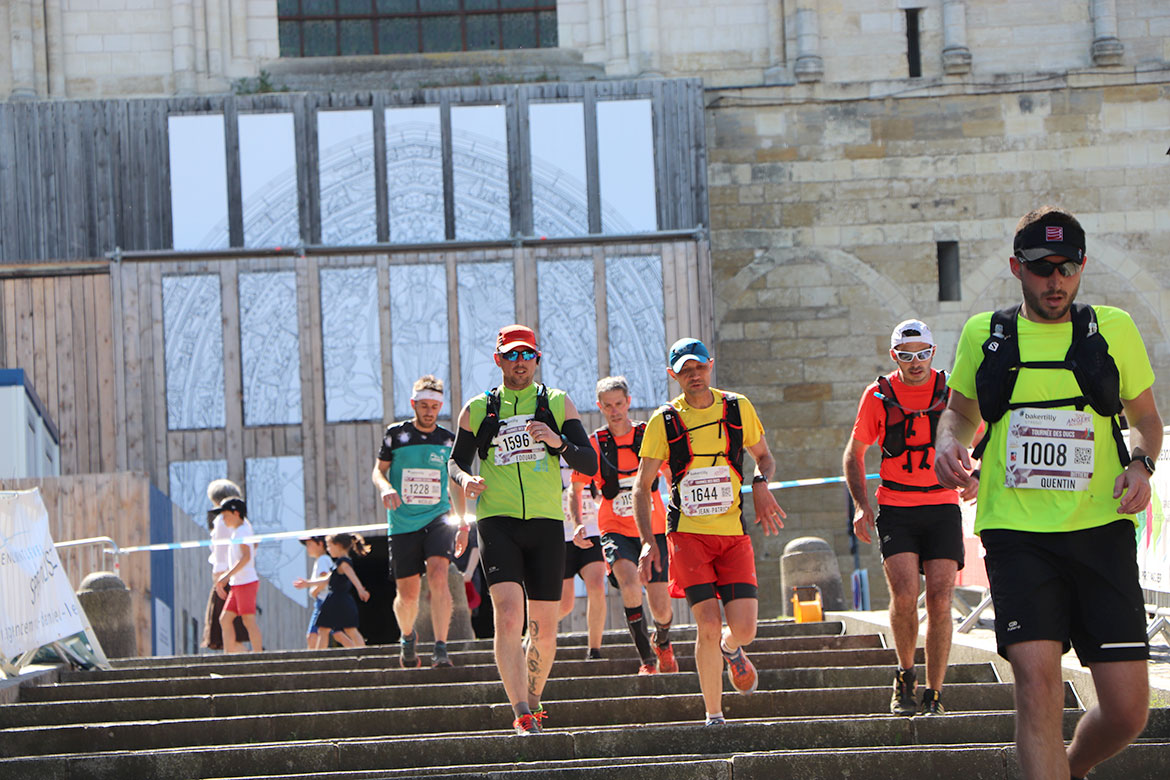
x=911, y=330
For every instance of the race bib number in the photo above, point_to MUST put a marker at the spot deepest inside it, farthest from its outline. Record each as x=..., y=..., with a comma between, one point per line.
x=1049, y=449
x=706, y=491
x=514, y=445
x=421, y=486
x=623, y=502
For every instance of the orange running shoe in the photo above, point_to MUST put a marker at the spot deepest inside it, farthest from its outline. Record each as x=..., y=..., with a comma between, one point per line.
x=666, y=661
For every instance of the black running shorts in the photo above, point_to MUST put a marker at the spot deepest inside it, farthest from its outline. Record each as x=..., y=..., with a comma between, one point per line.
x=931, y=531
x=630, y=548
x=577, y=558
x=530, y=552
x=409, y=551
x=1078, y=588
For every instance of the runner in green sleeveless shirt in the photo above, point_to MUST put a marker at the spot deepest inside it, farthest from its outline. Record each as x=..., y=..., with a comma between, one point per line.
x=520, y=431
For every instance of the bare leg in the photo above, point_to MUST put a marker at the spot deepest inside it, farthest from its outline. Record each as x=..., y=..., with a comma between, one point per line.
x=406, y=603
x=902, y=578
x=1123, y=691
x=594, y=576
x=568, y=598
x=226, y=624
x=508, y=610
x=658, y=594
x=437, y=569
x=255, y=639
x=629, y=583
x=708, y=658
x=542, y=647
x=323, y=638
x=355, y=637
x=741, y=623
x=940, y=587
x=1039, y=710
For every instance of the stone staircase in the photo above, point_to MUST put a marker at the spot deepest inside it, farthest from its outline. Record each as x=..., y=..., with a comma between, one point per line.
x=819, y=713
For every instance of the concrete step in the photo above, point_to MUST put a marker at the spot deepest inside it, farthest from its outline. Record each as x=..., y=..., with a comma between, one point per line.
x=261, y=680
x=684, y=650
x=436, y=695
x=790, y=747
x=330, y=722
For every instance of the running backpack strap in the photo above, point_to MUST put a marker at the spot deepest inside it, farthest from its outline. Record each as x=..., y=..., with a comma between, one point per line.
x=490, y=425
x=894, y=436
x=996, y=376
x=733, y=425
x=543, y=412
x=678, y=442
x=607, y=462
x=1089, y=359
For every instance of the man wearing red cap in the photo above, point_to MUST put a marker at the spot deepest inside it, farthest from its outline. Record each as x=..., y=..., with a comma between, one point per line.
x=520, y=431
x=1058, y=493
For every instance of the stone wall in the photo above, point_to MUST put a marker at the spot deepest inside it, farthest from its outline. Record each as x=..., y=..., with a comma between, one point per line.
x=825, y=216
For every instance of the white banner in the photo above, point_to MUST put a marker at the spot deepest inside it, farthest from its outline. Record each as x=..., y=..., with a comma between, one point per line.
x=37, y=603
x=1153, y=535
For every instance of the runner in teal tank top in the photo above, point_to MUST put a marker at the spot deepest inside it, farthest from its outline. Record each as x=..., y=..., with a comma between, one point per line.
x=411, y=476
x=521, y=431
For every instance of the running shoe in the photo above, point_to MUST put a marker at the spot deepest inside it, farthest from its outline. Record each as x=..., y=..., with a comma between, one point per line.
x=594, y=654
x=931, y=704
x=741, y=672
x=526, y=725
x=406, y=653
x=715, y=720
x=540, y=714
x=666, y=661
x=647, y=669
x=439, y=657
x=902, y=702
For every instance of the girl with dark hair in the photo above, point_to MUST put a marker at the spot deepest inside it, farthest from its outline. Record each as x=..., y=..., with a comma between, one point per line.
x=339, y=612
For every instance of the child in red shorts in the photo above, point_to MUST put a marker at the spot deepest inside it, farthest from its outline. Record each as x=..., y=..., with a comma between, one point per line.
x=242, y=577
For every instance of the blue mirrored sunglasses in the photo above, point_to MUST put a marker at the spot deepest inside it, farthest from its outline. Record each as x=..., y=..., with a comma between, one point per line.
x=906, y=357
x=518, y=354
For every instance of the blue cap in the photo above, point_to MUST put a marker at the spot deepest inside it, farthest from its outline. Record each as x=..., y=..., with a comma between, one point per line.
x=687, y=349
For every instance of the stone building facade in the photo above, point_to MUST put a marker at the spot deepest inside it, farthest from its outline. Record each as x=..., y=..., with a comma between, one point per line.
x=851, y=144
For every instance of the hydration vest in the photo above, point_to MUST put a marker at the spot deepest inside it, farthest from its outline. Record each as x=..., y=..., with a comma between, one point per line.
x=1087, y=358
x=900, y=423
x=679, y=441
x=608, y=462
x=491, y=420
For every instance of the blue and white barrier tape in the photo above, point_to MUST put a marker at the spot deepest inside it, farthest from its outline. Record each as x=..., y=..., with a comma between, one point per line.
x=300, y=534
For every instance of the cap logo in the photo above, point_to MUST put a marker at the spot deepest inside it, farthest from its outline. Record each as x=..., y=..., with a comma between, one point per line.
x=1054, y=233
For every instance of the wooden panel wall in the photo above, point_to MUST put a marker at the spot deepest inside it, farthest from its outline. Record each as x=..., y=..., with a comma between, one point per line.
x=87, y=177
x=113, y=505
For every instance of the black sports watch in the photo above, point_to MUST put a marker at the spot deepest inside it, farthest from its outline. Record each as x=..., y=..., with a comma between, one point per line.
x=759, y=478
x=1149, y=463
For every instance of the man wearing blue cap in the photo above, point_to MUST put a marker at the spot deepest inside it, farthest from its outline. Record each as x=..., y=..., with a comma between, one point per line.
x=1058, y=493
x=703, y=434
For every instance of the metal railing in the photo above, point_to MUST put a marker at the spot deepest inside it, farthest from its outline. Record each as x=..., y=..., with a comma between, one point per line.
x=109, y=547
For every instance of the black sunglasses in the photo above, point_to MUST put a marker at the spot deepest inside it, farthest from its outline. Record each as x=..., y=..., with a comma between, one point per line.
x=1045, y=268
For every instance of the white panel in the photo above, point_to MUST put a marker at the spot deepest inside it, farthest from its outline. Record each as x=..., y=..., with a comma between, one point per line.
x=560, y=203
x=198, y=168
x=479, y=142
x=345, y=160
x=568, y=327
x=270, y=348
x=625, y=147
x=193, y=349
x=351, y=344
x=418, y=328
x=276, y=502
x=414, y=174
x=188, y=486
x=637, y=327
x=487, y=302
x=268, y=178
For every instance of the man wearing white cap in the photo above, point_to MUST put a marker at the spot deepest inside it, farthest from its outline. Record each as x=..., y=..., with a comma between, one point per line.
x=918, y=522
x=411, y=476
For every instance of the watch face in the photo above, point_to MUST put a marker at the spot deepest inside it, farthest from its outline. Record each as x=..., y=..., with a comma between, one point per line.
x=1149, y=463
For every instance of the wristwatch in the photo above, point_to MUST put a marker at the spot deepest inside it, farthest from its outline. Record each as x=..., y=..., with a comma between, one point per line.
x=1149, y=463
x=759, y=478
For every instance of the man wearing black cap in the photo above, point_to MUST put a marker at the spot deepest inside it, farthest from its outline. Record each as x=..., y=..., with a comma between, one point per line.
x=520, y=431
x=703, y=434
x=1058, y=493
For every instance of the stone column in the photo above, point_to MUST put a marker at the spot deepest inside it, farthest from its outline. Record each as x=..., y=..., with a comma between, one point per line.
x=595, y=50
x=777, y=71
x=809, y=65
x=1107, y=48
x=617, y=52
x=956, y=56
x=183, y=46
x=55, y=48
x=24, y=74
x=649, y=55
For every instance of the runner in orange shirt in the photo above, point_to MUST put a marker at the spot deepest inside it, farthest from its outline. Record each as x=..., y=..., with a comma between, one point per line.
x=617, y=446
x=918, y=522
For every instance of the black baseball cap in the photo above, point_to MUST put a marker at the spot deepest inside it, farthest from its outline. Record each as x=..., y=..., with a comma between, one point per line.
x=1050, y=235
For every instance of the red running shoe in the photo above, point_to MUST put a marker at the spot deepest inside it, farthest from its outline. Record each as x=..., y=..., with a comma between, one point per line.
x=666, y=662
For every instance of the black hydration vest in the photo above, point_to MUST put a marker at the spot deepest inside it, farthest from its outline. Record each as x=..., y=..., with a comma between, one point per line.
x=1087, y=358
x=682, y=456
x=900, y=423
x=491, y=420
x=608, y=462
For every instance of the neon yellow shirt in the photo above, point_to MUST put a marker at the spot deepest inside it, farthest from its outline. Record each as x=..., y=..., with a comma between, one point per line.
x=1031, y=509
x=708, y=439
x=524, y=489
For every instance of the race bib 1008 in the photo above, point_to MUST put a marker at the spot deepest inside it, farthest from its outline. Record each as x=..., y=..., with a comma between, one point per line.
x=514, y=445
x=421, y=486
x=1049, y=449
x=706, y=491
